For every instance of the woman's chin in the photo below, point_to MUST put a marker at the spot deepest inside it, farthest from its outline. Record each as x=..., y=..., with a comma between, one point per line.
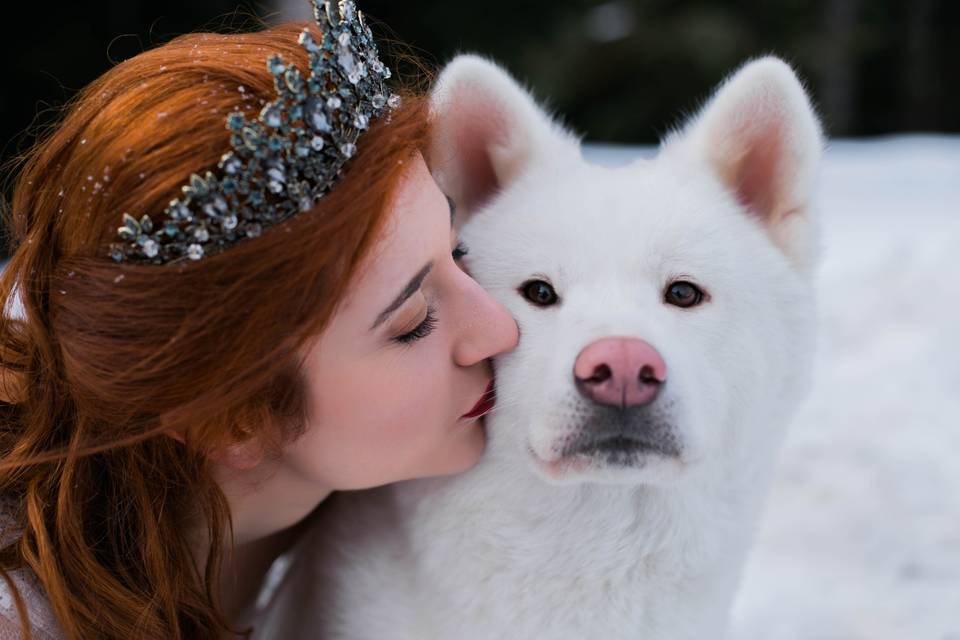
x=466, y=448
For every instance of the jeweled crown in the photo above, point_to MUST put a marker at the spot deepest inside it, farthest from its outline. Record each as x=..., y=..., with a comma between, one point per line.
x=283, y=162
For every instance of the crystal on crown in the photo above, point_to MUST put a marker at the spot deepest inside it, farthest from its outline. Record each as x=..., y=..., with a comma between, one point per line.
x=283, y=162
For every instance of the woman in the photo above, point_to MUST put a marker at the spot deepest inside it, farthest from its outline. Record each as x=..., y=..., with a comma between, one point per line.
x=174, y=405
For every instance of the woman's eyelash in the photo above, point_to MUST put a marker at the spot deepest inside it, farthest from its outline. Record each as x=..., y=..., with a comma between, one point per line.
x=429, y=323
x=422, y=330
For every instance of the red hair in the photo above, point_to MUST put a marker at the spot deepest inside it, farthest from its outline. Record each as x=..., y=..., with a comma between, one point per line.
x=104, y=358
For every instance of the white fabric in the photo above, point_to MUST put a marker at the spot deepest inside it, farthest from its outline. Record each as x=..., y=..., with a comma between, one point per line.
x=44, y=624
x=42, y=621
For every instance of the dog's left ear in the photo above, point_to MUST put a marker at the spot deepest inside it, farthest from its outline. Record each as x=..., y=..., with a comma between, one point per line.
x=760, y=136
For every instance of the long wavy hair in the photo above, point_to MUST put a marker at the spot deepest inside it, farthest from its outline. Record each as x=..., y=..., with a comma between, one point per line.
x=100, y=361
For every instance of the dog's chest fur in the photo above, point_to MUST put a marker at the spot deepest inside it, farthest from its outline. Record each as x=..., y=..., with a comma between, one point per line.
x=486, y=561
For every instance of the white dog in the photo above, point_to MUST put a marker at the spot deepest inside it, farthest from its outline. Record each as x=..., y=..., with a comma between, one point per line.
x=667, y=329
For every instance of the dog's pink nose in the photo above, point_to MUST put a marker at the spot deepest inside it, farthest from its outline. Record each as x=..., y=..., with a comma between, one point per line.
x=624, y=372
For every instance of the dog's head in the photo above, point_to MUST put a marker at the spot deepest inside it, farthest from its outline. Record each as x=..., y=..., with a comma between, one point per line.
x=665, y=307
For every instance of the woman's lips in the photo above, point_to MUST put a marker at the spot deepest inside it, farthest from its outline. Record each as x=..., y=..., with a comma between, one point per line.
x=484, y=404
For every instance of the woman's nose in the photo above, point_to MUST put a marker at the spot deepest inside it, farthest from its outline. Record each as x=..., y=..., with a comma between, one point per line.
x=486, y=329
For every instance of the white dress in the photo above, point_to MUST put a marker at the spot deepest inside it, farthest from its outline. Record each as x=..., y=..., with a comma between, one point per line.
x=43, y=624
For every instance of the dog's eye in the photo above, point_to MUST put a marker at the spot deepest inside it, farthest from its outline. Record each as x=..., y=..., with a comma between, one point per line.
x=540, y=293
x=683, y=294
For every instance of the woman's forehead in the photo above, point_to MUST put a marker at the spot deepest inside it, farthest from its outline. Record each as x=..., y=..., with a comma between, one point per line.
x=416, y=224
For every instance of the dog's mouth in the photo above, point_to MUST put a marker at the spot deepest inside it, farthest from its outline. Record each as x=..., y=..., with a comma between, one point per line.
x=615, y=458
x=612, y=441
x=622, y=449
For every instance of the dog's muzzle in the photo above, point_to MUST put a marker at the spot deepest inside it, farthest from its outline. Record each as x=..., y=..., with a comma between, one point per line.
x=622, y=436
x=620, y=379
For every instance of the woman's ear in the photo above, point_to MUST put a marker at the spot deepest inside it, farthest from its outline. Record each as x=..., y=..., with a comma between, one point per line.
x=240, y=455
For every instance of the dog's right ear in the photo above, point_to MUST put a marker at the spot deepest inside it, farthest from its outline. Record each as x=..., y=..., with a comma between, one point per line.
x=485, y=130
x=761, y=137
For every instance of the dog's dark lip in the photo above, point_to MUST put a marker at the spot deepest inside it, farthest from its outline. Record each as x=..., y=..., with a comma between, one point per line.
x=616, y=452
x=620, y=446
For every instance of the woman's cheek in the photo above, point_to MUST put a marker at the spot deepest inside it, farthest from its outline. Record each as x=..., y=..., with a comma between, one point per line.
x=410, y=403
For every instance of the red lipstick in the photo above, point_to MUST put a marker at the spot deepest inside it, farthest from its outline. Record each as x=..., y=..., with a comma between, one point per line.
x=484, y=404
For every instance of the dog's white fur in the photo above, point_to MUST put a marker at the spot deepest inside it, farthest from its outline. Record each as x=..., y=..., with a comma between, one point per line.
x=526, y=545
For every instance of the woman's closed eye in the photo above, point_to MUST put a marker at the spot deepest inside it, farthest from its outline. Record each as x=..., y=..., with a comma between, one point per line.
x=422, y=330
x=429, y=322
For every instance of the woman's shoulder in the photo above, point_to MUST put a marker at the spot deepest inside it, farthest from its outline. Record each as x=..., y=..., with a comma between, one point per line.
x=42, y=621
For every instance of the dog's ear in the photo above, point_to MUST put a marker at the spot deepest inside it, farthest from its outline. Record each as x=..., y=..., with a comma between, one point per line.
x=485, y=130
x=761, y=137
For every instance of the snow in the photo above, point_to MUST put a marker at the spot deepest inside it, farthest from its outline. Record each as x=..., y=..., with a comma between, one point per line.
x=861, y=536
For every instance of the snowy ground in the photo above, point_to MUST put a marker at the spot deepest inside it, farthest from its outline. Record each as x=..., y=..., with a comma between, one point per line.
x=861, y=537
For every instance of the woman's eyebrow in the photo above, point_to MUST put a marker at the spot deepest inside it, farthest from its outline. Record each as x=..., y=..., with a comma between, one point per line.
x=408, y=291
x=453, y=209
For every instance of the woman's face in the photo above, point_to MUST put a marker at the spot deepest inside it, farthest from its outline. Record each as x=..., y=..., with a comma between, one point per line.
x=404, y=359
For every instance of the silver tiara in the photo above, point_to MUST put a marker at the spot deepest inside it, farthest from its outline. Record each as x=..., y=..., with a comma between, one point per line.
x=283, y=162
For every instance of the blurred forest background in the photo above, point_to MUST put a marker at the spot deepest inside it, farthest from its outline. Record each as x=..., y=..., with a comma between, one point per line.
x=624, y=70
x=619, y=71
